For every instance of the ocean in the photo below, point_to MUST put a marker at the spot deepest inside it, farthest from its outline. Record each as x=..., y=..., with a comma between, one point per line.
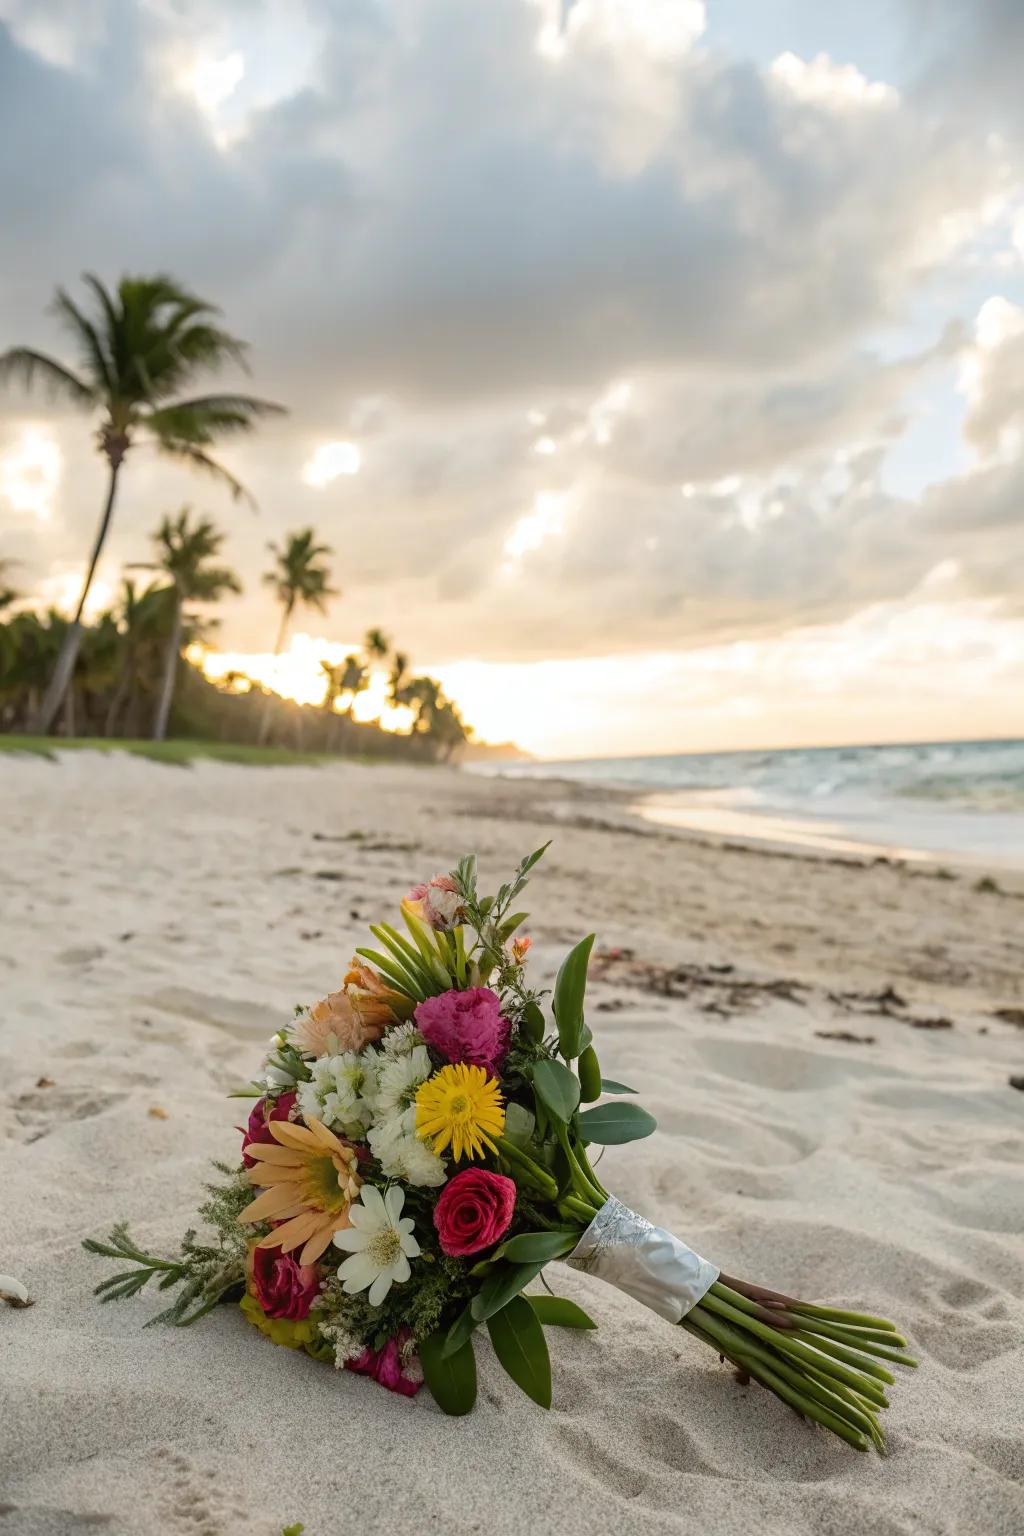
x=959, y=800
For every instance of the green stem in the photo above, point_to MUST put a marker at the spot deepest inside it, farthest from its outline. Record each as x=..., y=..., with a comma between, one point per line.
x=584, y=1161
x=581, y=1183
x=539, y=1176
x=793, y=1346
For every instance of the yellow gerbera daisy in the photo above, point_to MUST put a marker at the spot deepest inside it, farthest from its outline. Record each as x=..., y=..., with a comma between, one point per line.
x=308, y=1180
x=460, y=1106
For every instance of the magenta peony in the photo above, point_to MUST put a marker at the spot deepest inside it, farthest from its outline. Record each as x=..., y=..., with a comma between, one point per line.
x=466, y=1027
x=282, y=1286
x=473, y=1210
x=262, y=1113
x=385, y=1366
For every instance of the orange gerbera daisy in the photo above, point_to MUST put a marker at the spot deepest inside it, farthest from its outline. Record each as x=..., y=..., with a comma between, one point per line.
x=308, y=1180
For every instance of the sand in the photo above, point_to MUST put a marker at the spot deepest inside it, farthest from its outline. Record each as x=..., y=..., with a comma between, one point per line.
x=159, y=922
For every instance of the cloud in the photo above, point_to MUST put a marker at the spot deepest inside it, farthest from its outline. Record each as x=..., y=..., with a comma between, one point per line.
x=617, y=328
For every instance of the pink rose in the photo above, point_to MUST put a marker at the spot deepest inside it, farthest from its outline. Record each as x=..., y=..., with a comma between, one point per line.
x=466, y=1026
x=473, y=1211
x=385, y=1366
x=283, y=1287
x=436, y=901
x=263, y=1112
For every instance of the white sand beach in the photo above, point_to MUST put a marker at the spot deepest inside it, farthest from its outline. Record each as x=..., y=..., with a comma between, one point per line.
x=827, y=1046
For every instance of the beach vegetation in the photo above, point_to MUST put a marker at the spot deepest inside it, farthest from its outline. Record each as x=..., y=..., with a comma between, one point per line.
x=139, y=350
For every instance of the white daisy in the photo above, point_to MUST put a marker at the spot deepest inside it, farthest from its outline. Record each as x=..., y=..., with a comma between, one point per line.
x=397, y=1081
x=401, y=1040
x=379, y=1244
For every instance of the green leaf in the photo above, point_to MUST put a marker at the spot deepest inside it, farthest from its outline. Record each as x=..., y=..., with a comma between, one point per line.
x=459, y=1332
x=557, y=1312
x=611, y=1124
x=500, y=1288
x=609, y=1085
x=534, y=1247
x=451, y=1378
x=532, y=1023
x=510, y=924
x=519, y=1124
x=519, y=1344
x=558, y=1088
x=567, y=1002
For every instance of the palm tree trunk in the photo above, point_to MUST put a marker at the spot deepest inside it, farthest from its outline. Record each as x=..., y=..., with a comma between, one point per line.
x=268, y=706
x=170, y=674
x=120, y=692
x=63, y=671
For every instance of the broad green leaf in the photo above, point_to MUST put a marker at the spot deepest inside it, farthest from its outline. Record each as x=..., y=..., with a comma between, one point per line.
x=458, y=1333
x=519, y=1344
x=611, y=1124
x=533, y=1022
x=557, y=1312
x=609, y=1085
x=451, y=1378
x=558, y=1088
x=534, y=1247
x=500, y=1288
x=567, y=1002
x=519, y=1124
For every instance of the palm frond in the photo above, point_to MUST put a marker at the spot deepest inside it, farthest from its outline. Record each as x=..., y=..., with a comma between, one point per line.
x=25, y=366
x=93, y=355
x=191, y=453
x=208, y=417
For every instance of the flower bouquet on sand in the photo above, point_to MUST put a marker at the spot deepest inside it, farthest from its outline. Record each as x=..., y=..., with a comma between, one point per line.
x=422, y=1147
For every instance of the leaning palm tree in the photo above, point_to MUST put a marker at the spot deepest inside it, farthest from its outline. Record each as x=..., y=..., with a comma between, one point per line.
x=186, y=550
x=145, y=344
x=297, y=578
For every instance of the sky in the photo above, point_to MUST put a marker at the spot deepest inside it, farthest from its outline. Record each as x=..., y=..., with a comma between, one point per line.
x=655, y=368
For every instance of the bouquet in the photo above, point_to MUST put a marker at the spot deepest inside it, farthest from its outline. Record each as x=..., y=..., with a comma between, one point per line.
x=422, y=1147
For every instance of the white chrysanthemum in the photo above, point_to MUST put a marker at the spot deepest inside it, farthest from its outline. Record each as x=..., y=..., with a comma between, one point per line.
x=401, y=1040
x=379, y=1244
x=403, y=1156
x=334, y=1093
x=398, y=1078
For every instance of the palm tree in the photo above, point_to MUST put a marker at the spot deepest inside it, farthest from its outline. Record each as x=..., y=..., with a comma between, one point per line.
x=297, y=578
x=8, y=594
x=186, y=550
x=398, y=679
x=142, y=622
x=376, y=645
x=146, y=343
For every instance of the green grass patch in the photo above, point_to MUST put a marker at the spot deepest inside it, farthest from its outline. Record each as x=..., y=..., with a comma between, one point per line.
x=179, y=753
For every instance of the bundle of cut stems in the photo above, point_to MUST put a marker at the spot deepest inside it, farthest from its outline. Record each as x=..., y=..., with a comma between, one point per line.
x=828, y=1364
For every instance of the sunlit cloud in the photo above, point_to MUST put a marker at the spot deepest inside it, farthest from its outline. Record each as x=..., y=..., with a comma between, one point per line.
x=840, y=86
x=329, y=461
x=30, y=473
x=533, y=529
x=62, y=590
x=662, y=29
x=213, y=80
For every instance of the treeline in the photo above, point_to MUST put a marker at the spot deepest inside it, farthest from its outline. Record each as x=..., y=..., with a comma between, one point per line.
x=132, y=678
x=137, y=356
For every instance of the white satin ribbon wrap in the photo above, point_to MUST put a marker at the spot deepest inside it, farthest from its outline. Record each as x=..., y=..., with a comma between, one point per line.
x=643, y=1260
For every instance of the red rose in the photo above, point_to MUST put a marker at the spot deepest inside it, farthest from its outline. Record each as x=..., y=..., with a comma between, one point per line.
x=263, y=1112
x=474, y=1210
x=283, y=1287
